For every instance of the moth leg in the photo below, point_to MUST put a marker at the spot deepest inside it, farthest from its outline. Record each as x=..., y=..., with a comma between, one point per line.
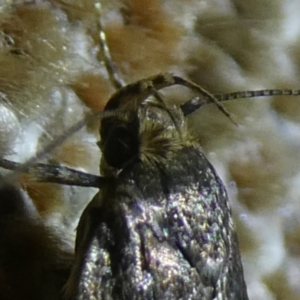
x=55, y=174
x=159, y=97
x=166, y=80
x=211, y=98
x=142, y=89
x=208, y=96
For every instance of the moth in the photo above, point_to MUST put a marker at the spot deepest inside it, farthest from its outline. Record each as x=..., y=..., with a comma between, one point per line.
x=160, y=226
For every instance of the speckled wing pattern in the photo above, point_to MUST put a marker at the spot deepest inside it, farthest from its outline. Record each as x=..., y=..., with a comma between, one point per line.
x=160, y=231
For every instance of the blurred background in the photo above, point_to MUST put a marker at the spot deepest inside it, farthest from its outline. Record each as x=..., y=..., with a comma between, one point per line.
x=52, y=75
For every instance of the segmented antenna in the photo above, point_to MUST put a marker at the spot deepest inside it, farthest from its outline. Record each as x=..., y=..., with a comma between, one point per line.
x=118, y=82
x=113, y=74
x=195, y=103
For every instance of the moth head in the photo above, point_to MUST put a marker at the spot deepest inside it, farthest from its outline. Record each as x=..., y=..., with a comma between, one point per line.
x=136, y=103
x=119, y=138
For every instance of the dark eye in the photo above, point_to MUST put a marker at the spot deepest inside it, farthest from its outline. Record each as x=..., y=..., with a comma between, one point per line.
x=120, y=146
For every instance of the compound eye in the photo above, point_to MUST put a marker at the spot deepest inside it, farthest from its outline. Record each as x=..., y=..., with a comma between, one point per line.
x=120, y=146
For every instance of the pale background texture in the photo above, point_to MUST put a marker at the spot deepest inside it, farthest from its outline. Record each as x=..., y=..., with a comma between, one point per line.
x=51, y=72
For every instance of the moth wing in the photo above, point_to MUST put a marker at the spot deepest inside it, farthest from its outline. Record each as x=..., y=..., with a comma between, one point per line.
x=201, y=224
x=160, y=232
x=91, y=276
